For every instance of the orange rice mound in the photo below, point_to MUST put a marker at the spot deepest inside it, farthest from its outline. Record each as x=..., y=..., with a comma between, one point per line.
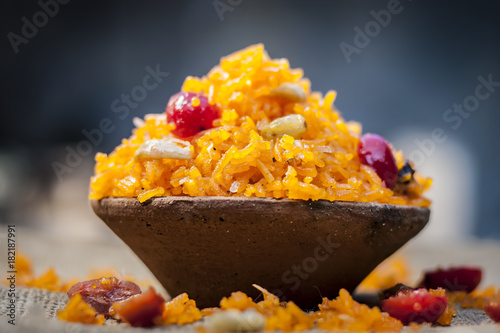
x=233, y=159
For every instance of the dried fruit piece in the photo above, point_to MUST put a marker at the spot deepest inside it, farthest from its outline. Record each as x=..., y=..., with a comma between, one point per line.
x=405, y=174
x=493, y=311
x=416, y=306
x=293, y=125
x=290, y=91
x=101, y=293
x=453, y=279
x=140, y=310
x=394, y=290
x=374, y=151
x=236, y=321
x=164, y=148
x=191, y=113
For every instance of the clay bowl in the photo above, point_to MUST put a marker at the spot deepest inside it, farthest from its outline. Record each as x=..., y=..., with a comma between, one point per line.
x=299, y=250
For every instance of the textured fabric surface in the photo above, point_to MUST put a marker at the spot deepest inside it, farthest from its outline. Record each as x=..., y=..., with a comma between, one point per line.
x=36, y=309
x=36, y=312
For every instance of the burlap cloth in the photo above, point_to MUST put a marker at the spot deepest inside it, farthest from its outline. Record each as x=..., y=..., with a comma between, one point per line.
x=36, y=309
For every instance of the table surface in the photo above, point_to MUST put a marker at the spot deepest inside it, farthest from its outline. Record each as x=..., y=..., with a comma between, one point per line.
x=75, y=259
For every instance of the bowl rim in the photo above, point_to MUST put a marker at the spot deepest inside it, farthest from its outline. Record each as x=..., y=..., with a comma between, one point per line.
x=343, y=203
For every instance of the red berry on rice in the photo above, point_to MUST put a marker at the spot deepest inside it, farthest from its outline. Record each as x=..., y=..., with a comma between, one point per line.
x=191, y=113
x=375, y=152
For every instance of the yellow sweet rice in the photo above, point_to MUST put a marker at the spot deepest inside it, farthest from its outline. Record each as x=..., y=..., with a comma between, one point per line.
x=51, y=280
x=342, y=314
x=477, y=299
x=393, y=270
x=233, y=159
x=77, y=311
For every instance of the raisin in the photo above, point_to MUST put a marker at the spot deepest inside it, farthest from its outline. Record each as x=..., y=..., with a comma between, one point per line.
x=101, y=293
x=405, y=174
x=394, y=290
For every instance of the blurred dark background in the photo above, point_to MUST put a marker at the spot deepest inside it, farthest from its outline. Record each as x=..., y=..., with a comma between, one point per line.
x=64, y=78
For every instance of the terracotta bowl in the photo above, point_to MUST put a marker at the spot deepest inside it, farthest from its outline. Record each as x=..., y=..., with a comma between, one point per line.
x=299, y=250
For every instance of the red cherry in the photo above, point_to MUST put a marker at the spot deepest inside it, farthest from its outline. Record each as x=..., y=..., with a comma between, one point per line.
x=493, y=311
x=453, y=279
x=415, y=306
x=141, y=310
x=375, y=152
x=191, y=113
